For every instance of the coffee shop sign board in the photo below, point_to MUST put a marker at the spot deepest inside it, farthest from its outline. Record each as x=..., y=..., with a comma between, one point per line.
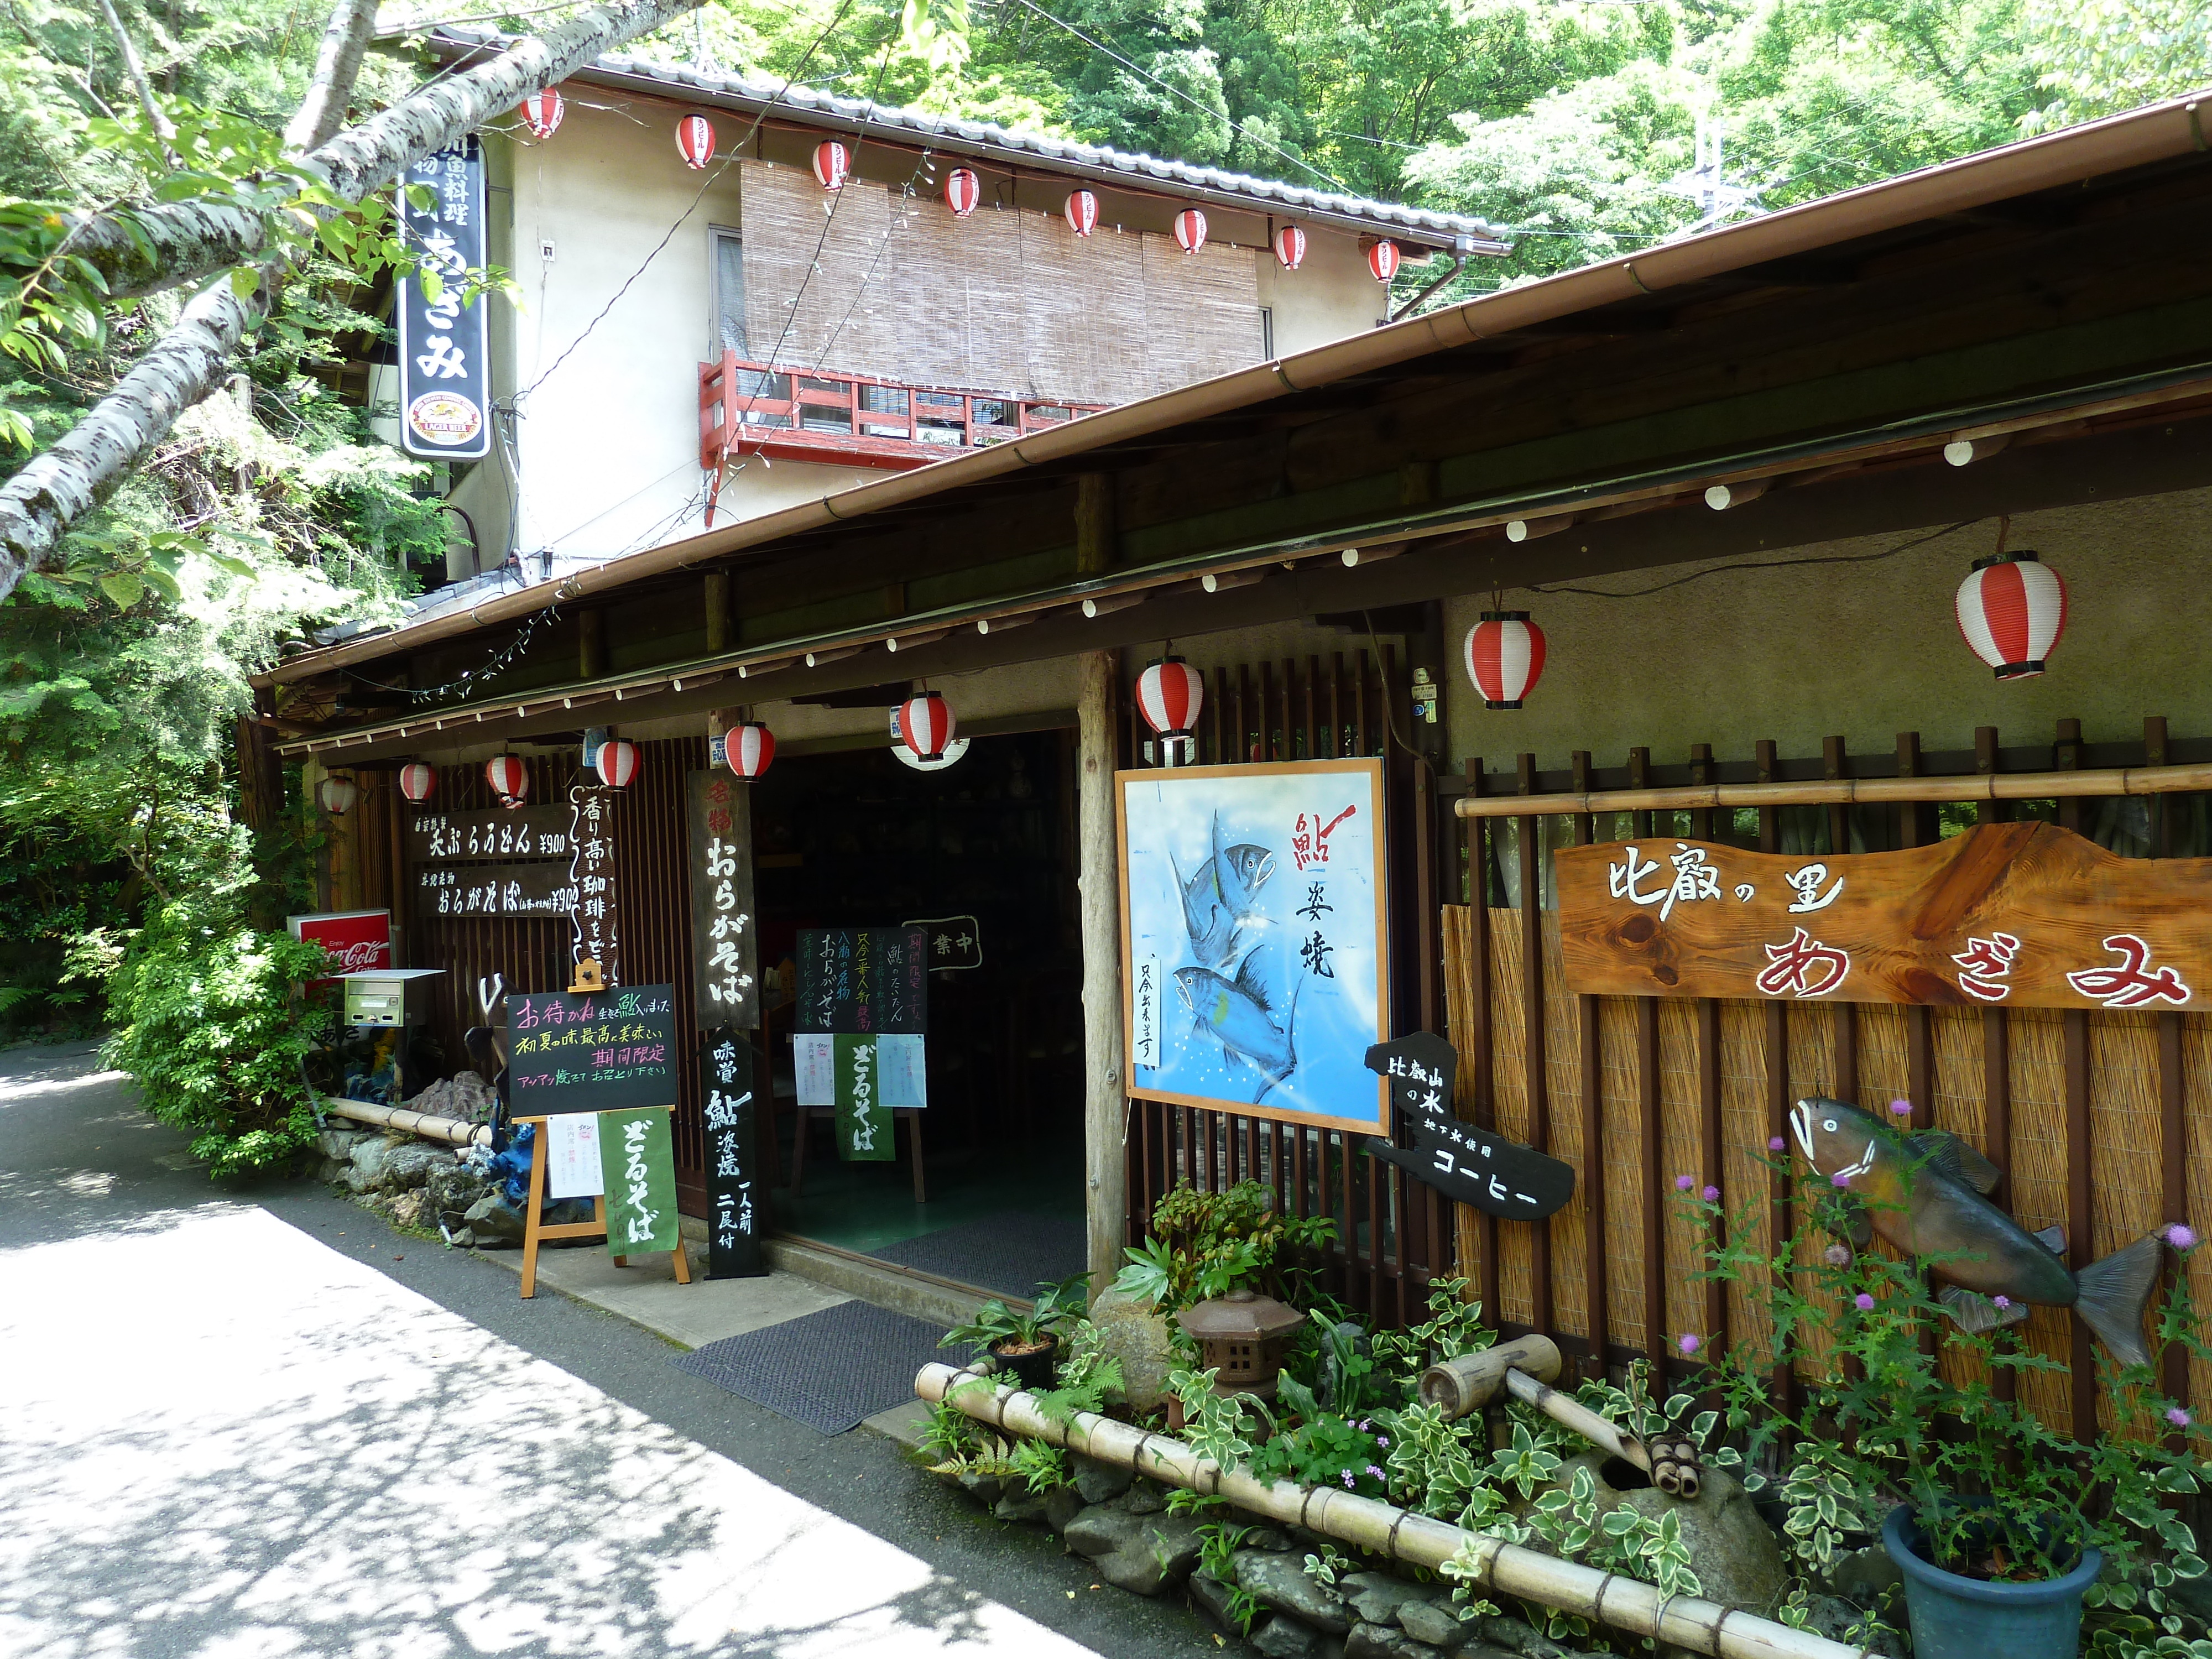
x=2022, y=915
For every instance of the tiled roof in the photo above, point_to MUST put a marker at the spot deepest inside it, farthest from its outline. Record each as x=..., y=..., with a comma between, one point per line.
x=988, y=139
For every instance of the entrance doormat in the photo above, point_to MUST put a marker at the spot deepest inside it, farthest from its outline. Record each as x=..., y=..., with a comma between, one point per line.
x=1008, y=1254
x=828, y=1370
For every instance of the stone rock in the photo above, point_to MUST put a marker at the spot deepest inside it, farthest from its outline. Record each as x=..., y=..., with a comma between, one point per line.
x=1516, y=1636
x=465, y=1239
x=408, y=1164
x=1480, y=1650
x=1735, y=1553
x=985, y=1489
x=1282, y=1637
x=1145, y=1497
x=1282, y=1583
x=1099, y=1531
x=1160, y=1552
x=1100, y=1483
x=337, y=1145
x=1212, y=1597
x=1433, y=1622
x=1834, y=1618
x=1370, y=1641
x=1865, y=1575
x=1132, y=1333
x=464, y=1097
x=365, y=1170
x=450, y=1190
x=1061, y=1505
x=407, y=1209
x=492, y=1221
x=1023, y=1506
x=1376, y=1596
x=1273, y=1539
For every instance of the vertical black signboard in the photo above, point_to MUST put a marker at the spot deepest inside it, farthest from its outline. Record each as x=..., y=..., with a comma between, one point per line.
x=858, y=981
x=722, y=946
x=734, y=1192
x=445, y=366
x=591, y=877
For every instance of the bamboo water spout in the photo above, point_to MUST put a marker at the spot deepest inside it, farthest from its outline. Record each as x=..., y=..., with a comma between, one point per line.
x=1419, y=1540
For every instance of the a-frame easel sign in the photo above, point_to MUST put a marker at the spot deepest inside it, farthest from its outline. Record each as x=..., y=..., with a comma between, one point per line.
x=594, y=1068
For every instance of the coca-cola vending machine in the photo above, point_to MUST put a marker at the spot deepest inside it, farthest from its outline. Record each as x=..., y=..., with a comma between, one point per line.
x=355, y=939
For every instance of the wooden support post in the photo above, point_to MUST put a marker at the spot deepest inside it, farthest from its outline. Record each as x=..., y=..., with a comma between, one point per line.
x=1105, y=1098
x=1845, y=1016
x=591, y=643
x=1656, y=1187
x=1919, y=1036
x=2173, y=1122
x=716, y=599
x=1480, y=1109
x=1596, y=1292
x=396, y=832
x=1531, y=1045
x=1094, y=526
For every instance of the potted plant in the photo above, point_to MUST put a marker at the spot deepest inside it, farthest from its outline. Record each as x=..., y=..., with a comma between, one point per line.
x=1025, y=1344
x=2003, y=1529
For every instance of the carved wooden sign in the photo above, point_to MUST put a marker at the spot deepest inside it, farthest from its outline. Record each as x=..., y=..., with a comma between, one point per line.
x=1468, y=1165
x=2021, y=913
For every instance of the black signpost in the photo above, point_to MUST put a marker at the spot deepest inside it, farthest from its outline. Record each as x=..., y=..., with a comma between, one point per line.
x=735, y=1192
x=592, y=1051
x=863, y=981
x=1468, y=1165
x=445, y=367
x=954, y=942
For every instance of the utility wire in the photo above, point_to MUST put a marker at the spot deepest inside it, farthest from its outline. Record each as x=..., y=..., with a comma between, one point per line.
x=1762, y=564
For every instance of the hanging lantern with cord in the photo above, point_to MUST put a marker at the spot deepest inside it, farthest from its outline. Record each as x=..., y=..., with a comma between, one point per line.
x=1170, y=693
x=833, y=164
x=963, y=191
x=926, y=724
x=510, y=779
x=1383, y=260
x=2012, y=612
x=1081, y=212
x=338, y=794
x=695, y=142
x=748, y=749
x=417, y=783
x=1504, y=657
x=542, y=112
x=1290, y=247
x=1190, y=230
x=617, y=762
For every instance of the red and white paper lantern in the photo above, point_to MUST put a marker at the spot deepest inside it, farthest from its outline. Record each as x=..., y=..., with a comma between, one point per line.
x=748, y=749
x=926, y=724
x=695, y=142
x=1383, y=260
x=338, y=794
x=508, y=779
x=2012, y=611
x=833, y=164
x=963, y=191
x=1504, y=657
x=1081, y=212
x=417, y=783
x=542, y=112
x=617, y=762
x=1190, y=230
x=1170, y=693
x=1290, y=247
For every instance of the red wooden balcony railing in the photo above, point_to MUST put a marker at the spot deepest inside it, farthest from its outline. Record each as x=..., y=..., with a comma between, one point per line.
x=853, y=420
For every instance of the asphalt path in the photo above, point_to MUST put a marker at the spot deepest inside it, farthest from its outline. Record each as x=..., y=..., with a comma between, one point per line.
x=257, y=1423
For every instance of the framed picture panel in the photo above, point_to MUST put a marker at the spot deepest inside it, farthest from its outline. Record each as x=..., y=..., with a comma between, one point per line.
x=1255, y=958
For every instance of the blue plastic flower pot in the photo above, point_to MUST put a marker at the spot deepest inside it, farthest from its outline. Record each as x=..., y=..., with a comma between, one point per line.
x=1958, y=1618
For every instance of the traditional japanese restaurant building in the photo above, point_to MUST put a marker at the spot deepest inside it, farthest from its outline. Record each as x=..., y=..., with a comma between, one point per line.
x=1737, y=482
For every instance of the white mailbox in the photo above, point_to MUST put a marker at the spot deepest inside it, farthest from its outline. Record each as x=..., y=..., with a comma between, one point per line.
x=389, y=996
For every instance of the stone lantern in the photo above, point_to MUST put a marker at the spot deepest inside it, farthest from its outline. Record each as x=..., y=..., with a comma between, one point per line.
x=1240, y=1335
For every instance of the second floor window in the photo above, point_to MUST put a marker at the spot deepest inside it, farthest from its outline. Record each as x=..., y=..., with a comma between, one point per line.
x=729, y=294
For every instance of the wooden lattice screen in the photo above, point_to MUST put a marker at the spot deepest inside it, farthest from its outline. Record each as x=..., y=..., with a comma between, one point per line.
x=2102, y=1121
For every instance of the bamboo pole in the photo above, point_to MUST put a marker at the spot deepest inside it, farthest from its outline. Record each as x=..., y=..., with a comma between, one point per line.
x=428, y=1124
x=1419, y=1540
x=1834, y=792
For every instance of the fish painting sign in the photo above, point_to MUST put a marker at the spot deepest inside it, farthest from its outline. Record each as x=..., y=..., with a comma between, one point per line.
x=1254, y=953
x=2025, y=914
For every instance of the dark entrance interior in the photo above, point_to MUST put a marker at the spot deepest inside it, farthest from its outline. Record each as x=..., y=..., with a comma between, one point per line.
x=859, y=838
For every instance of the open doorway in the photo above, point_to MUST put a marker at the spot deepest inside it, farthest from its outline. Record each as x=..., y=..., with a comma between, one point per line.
x=861, y=839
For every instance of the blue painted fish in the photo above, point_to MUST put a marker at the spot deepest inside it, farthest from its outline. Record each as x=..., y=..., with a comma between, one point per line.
x=1235, y=1014
x=1218, y=900
x=1923, y=1194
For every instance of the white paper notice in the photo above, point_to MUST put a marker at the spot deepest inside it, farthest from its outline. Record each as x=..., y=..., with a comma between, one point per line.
x=572, y=1156
x=815, y=1055
x=902, y=1076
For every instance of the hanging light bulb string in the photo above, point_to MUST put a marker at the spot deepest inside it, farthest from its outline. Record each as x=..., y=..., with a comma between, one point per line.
x=503, y=657
x=1762, y=564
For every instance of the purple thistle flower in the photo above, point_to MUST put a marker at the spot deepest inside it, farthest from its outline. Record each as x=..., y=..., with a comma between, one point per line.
x=2003, y=1302
x=1839, y=1179
x=2177, y=1417
x=2181, y=1236
x=1901, y=1108
x=1863, y=1303
x=1776, y=1144
x=1689, y=1342
x=1837, y=1255
x=1712, y=1194
x=1683, y=1183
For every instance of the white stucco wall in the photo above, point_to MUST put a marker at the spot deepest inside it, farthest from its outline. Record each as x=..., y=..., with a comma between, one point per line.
x=1799, y=653
x=1332, y=293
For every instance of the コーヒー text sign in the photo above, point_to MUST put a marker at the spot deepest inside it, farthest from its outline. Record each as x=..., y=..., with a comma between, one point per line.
x=2025, y=914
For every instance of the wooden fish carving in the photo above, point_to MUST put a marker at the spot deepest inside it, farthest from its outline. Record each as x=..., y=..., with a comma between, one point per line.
x=1923, y=1195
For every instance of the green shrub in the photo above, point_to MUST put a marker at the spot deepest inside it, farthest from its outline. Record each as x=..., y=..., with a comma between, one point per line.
x=206, y=1021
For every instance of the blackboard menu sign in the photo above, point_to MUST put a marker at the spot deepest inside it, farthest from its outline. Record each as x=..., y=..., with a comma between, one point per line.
x=591, y=877
x=858, y=981
x=734, y=1189
x=528, y=832
x=494, y=890
x=722, y=946
x=594, y=1051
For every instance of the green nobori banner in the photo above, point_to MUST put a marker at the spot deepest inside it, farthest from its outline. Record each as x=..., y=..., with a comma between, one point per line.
x=863, y=1122
x=639, y=1160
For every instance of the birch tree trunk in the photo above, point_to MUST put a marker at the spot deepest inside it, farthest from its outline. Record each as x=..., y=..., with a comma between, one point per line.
x=337, y=65
x=166, y=245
